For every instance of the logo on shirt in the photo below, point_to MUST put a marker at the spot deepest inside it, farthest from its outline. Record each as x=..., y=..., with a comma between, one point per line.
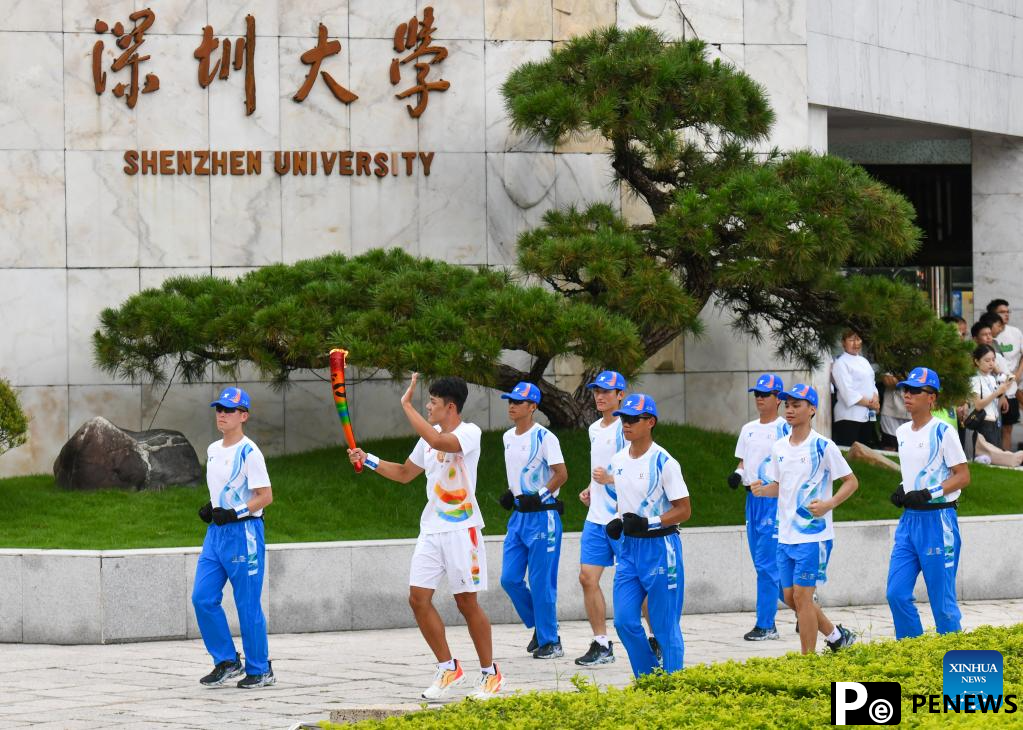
x=618, y=472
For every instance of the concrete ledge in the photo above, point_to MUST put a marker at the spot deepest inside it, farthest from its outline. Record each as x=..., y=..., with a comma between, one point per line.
x=106, y=596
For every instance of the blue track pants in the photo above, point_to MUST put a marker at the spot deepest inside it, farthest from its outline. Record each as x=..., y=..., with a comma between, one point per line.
x=762, y=535
x=533, y=546
x=928, y=542
x=233, y=552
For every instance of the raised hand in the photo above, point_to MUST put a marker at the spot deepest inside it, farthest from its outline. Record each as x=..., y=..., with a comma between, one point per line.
x=407, y=398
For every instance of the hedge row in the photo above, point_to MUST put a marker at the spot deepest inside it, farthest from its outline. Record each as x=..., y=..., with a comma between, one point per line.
x=785, y=692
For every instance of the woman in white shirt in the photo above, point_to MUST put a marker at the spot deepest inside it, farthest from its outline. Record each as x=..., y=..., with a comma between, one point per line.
x=986, y=392
x=856, y=394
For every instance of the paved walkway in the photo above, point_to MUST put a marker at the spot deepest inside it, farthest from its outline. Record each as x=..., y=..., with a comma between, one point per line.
x=155, y=685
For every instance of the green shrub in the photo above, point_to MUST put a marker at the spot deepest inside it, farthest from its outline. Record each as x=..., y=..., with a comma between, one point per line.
x=792, y=691
x=13, y=424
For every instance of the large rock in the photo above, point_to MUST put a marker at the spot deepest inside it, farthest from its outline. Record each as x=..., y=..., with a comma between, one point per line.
x=101, y=455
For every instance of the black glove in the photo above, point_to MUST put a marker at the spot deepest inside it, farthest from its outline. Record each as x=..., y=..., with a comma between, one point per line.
x=634, y=524
x=614, y=528
x=917, y=498
x=507, y=499
x=735, y=480
x=206, y=513
x=898, y=497
x=530, y=502
x=222, y=516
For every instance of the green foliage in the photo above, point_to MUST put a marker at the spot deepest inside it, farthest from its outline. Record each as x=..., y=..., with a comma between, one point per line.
x=785, y=692
x=765, y=236
x=391, y=310
x=318, y=497
x=13, y=424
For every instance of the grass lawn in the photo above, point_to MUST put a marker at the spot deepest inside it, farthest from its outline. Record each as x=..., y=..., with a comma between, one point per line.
x=318, y=497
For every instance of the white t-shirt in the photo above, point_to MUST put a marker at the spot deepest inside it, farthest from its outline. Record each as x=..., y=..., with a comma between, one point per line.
x=1010, y=342
x=646, y=486
x=928, y=455
x=528, y=459
x=982, y=386
x=805, y=473
x=450, y=482
x=1003, y=367
x=754, y=447
x=854, y=379
x=605, y=442
x=232, y=473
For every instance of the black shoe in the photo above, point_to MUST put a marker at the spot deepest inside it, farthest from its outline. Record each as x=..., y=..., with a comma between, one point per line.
x=533, y=644
x=597, y=655
x=224, y=671
x=656, y=649
x=253, y=681
x=759, y=634
x=549, y=651
x=848, y=638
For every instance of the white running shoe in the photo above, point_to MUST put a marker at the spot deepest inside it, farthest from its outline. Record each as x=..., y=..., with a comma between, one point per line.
x=488, y=685
x=443, y=681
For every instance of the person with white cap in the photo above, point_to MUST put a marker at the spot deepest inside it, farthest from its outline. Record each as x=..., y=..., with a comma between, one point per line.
x=753, y=450
x=536, y=470
x=803, y=466
x=234, y=548
x=934, y=473
x=652, y=501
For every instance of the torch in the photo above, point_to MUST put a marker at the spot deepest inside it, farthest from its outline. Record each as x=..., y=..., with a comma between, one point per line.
x=337, y=382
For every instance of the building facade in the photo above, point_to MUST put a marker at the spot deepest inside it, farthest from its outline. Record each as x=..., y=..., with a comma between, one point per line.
x=84, y=225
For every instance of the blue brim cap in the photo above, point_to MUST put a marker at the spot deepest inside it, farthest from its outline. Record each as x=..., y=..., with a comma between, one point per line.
x=800, y=391
x=638, y=404
x=768, y=383
x=609, y=380
x=921, y=378
x=232, y=397
x=523, y=391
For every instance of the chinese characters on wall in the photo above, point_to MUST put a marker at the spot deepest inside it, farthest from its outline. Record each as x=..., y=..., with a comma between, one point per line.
x=415, y=36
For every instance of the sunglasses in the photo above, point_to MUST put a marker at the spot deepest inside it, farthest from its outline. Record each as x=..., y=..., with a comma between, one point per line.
x=913, y=390
x=632, y=420
x=225, y=409
x=512, y=402
x=758, y=394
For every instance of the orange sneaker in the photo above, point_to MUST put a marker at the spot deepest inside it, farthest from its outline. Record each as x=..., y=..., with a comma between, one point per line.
x=443, y=681
x=488, y=685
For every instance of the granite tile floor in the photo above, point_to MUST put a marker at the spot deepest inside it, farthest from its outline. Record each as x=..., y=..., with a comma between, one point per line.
x=155, y=685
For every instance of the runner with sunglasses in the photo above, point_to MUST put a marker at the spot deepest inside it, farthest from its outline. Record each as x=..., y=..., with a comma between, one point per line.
x=652, y=501
x=536, y=470
x=234, y=548
x=800, y=474
x=753, y=450
x=934, y=472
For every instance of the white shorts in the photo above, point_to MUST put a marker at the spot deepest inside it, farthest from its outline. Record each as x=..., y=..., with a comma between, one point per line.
x=459, y=554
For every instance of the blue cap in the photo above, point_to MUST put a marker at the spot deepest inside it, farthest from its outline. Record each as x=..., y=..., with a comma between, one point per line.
x=609, y=380
x=800, y=391
x=638, y=404
x=922, y=378
x=523, y=391
x=231, y=397
x=768, y=383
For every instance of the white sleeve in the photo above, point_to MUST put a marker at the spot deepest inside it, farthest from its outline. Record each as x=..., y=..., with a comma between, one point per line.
x=843, y=383
x=740, y=446
x=468, y=435
x=418, y=455
x=255, y=470
x=552, y=450
x=672, y=482
x=975, y=385
x=836, y=462
x=771, y=470
x=951, y=448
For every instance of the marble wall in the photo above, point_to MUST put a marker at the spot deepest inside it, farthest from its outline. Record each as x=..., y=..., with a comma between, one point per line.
x=78, y=235
x=997, y=220
x=948, y=62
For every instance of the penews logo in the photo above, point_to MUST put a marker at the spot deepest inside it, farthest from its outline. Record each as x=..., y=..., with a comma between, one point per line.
x=866, y=703
x=971, y=682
